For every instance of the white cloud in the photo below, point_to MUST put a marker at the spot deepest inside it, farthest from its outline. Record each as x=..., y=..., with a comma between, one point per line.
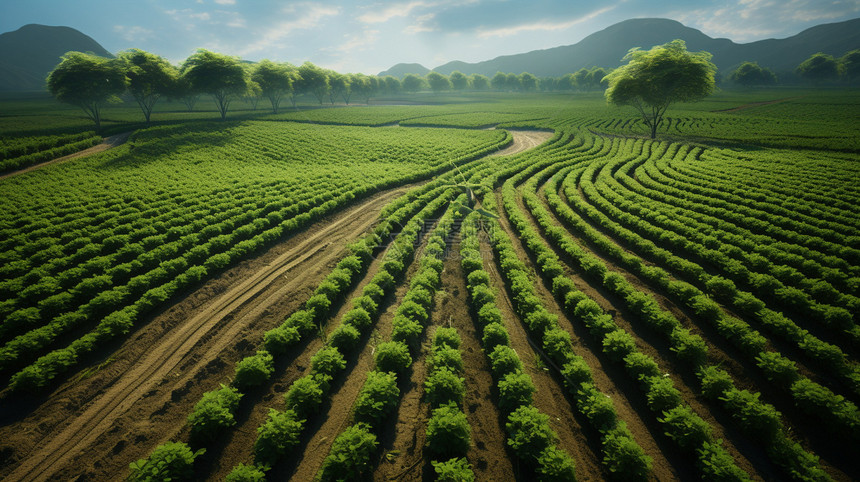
x=422, y=24
x=303, y=17
x=748, y=20
x=541, y=26
x=134, y=33
x=400, y=10
x=355, y=43
x=225, y=2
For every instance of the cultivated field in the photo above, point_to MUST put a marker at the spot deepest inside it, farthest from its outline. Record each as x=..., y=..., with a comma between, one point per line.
x=524, y=286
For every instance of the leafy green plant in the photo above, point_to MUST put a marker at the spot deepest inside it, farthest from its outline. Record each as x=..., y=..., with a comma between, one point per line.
x=444, y=386
x=377, y=398
x=350, y=454
x=555, y=465
x=254, y=370
x=448, y=432
x=515, y=390
x=494, y=334
x=279, y=434
x=214, y=412
x=306, y=394
x=344, y=338
x=529, y=433
x=686, y=427
x=618, y=344
x=246, y=473
x=327, y=361
x=393, y=356
x=456, y=469
x=446, y=356
x=446, y=336
x=169, y=461
x=623, y=457
x=504, y=360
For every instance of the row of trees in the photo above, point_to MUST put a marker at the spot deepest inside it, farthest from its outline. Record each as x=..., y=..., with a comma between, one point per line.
x=90, y=82
x=817, y=69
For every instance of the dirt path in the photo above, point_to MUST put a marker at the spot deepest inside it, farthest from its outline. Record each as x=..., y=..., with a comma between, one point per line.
x=95, y=426
x=167, y=363
x=523, y=141
x=109, y=142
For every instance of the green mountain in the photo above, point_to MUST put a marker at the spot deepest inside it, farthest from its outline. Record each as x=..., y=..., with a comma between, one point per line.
x=28, y=54
x=607, y=47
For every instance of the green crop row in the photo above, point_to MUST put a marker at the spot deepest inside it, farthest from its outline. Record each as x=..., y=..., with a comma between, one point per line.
x=688, y=347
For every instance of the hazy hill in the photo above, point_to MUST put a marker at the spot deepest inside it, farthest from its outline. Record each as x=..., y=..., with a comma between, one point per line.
x=607, y=47
x=400, y=70
x=29, y=53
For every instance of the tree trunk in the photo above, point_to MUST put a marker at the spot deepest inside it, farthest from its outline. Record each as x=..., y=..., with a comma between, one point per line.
x=654, y=130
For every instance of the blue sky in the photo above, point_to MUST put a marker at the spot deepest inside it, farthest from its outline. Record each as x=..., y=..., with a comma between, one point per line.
x=369, y=36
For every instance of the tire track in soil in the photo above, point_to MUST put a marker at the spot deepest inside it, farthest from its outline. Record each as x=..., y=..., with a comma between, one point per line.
x=312, y=249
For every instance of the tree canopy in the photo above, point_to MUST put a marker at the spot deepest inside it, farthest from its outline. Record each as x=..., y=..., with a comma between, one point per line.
x=851, y=65
x=654, y=79
x=313, y=80
x=87, y=81
x=149, y=78
x=750, y=74
x=819, y=68
x=218, y=75
x=438, y=82
x=275, y=80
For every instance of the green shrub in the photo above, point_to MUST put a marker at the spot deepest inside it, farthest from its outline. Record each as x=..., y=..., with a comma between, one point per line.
x=685, y=427
x=277, y=436
x=556, y=344
x=641, y=366
x=169, y=461
x=302, y=320
x=555, y=465
x=478, y=277
x=359, y=318
x=515, y=390
x=453, y=470
x=596, y=406
x=447, y=336
x=482, y=295
x=377, y=398
x=444, y=386
x=393, y=356
x=721, y=288
x=419, y=295
x=254, y=370
x=373, y=291
x=689, y=347
x=623, y=457
x=717, y=464
x=818, y=400
x=214, y=412
x=306, y=394
x=529, y=433
x=246, y=473
x=777, y=368
x=406, y=330
x=365, y=303
x=327, y=361
x=504, y=360
x=414, y=311
x=448, y=432
x=715, y=382
x=618, y=344
x=344, y=338
x=662, y=394
x=279, y=339
x=494, y=334
x=575, y=373
x=350, y=454
x=758, y=419
x=318, y=304
x=446, y=356
x=540, y=321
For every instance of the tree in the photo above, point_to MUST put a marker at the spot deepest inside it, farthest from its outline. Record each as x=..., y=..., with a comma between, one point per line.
x=851, y=65
x=580, y=79
x=253, y=94
x=499, y=81
x=528, y=82
x=361, y=86
x=149, y=78
x=595, y=78
x=313, y=81
x=87, y=81
x=548, y=84
x=749, y=74
x=438, y=82
x=566, y=82
x=480, y=82
x=183, y=90
x=459, y=81
x=274, y=80
x=391, y=84
x=412, y=83
x=653, y=79
x=819, y=68
x=512, y=82
x=338, y=86
x=218, y=75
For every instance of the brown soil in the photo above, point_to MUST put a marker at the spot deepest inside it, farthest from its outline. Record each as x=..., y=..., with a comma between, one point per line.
x=109, y=142
x=92, y=426
x=523, y=141
x=98, y=425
